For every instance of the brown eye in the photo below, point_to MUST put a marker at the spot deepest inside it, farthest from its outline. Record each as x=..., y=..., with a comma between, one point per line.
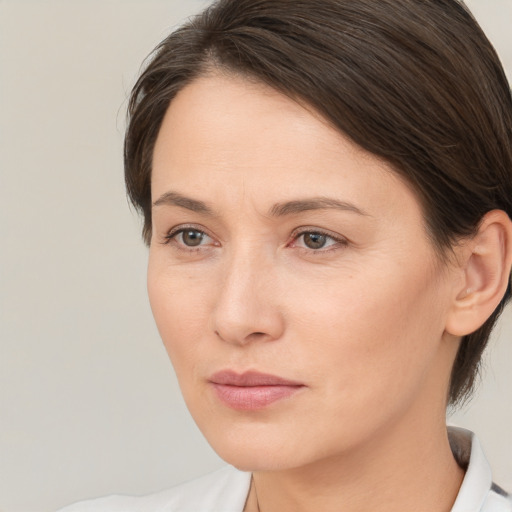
x=315, y=240
x=192, y=237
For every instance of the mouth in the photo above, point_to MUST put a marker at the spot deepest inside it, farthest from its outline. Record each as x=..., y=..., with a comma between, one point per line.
x=251, y=390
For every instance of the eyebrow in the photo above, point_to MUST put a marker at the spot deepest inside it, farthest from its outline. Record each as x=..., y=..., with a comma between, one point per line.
x=277, y=210
x=175, y=199
x=314, y=203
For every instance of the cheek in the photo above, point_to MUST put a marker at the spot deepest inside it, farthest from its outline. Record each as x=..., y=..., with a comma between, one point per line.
x=178, y=302
x=371, y=340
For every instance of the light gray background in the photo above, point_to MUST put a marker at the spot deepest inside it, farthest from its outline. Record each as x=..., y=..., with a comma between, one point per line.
x=88, y=402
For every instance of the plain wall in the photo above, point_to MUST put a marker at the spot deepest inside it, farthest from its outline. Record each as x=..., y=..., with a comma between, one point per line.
x=88, y=401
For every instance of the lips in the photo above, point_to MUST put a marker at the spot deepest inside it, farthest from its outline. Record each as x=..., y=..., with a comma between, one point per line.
x=251, y=390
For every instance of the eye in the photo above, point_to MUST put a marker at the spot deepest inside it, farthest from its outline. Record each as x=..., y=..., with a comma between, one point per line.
x=314, y=240
x=191, y=237
x=188, y=237
x=317, y=240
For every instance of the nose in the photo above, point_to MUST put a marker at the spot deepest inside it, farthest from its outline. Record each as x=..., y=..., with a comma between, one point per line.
x=248, y=303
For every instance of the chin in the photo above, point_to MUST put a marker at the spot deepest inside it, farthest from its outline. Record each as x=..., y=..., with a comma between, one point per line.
x=248, y=446
x=263, y=447
x=258, y=459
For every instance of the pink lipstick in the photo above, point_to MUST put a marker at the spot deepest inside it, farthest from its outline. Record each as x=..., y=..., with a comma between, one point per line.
x=251, y=390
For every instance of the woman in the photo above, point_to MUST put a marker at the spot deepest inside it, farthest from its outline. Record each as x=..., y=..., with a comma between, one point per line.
x=327, y=191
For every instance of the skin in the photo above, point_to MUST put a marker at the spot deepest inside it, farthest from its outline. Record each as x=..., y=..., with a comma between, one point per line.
x=360, y=322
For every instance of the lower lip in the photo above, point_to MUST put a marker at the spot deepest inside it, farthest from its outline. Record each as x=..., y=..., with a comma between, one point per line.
x=252, y=398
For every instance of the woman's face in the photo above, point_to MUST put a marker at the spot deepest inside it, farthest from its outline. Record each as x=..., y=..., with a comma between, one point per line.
x=291, y=279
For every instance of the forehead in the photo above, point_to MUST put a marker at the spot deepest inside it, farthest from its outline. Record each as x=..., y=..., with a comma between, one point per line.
x=226, y=138
x=235, y=118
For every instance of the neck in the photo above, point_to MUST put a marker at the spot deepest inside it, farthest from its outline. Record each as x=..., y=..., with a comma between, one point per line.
x=407, y=468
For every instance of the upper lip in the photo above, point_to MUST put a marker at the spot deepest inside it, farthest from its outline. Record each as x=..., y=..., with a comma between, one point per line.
x=250, y=378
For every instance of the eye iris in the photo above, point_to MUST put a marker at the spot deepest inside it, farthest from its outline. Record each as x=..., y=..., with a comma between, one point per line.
x=315, y=240
x=192, y=237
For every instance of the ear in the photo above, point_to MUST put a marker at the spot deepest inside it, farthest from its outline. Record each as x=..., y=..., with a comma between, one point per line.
x=485, y=262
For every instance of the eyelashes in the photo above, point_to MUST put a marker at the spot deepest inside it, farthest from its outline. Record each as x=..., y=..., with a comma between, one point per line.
x=316, y=240
x=189, y=238
x=313, y=240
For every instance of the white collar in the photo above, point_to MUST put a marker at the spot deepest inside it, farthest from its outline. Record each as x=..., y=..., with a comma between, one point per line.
x=476, y=491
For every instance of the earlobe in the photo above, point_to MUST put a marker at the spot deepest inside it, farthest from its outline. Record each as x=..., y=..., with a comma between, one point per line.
x=485, y=265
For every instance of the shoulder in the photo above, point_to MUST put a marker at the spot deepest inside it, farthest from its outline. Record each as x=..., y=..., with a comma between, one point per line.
x=224, y=490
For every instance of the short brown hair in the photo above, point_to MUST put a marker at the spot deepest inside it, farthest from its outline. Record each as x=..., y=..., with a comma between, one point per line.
x=415, y=82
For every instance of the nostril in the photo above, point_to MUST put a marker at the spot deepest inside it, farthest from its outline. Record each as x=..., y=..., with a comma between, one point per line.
x=256, y=336
x=253, y=336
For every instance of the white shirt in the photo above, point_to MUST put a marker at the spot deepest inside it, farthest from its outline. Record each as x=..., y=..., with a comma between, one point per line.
x=226, y=490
